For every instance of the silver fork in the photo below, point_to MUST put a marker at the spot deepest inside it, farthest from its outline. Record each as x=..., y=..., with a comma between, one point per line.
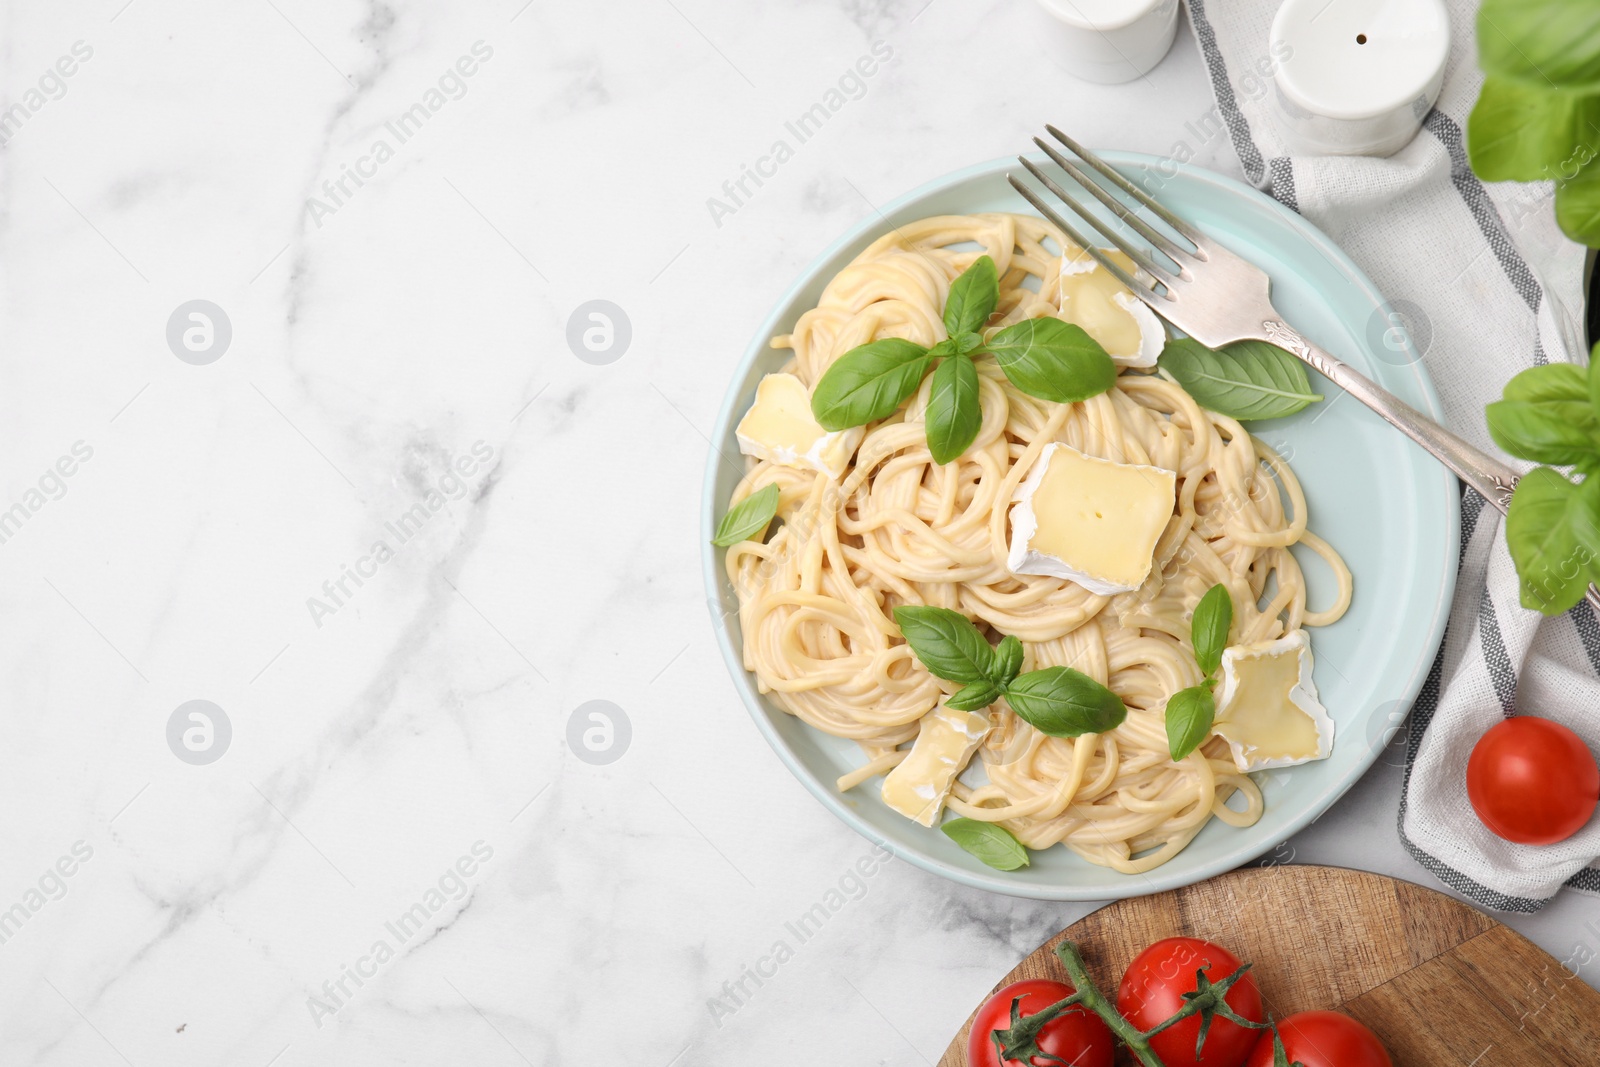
x=1218, y=298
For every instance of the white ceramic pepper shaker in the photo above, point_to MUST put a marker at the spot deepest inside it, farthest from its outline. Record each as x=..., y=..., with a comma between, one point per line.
x=1357, y=77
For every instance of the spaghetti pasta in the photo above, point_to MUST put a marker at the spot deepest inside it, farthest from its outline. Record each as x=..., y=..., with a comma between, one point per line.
x=816, y=600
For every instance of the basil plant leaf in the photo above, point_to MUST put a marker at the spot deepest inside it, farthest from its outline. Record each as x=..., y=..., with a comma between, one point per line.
x=975, y=697
x=954, y=412
x=1546, y=416
x=1007, y=661
x=947, y=643
x=972, y=298
x=1550, y=43
x=1559, y=432
x=1578, y=204
x=1528, y=133
x=990, y=842
x=1551, y=382
x=968, y=343
x=1553, y=532
x=1052, y=360
x=1594, y=378
x=1062, y=702
x=749, y=518
x=1213, y=617
x=1248, y=380
x=868, y=383
x=1190, y=713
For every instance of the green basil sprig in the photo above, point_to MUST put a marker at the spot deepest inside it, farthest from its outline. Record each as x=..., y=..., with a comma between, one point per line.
x=749, y=518
x=1551, y=415
x=1191, y=712
x=1539, y=108
x=1247, y=380
x=1046, y=358
x=1058, y=701
x=990, y=842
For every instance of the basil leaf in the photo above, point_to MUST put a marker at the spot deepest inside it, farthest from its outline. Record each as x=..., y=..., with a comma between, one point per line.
x=749, y=518
x=868, y=383
x=1547, y=416
x=1007, y=661
x=1062, y=702
x=1553, y=532
x=1553, y=381
x=954, y=413
x=1594, y=378
x=975, y=697
x=1209, y=629
x=1559, y=432
x=1578, y=203
x=1552, y=43
x=1052, y=360
x=990, y=842
x=968, y=343
x=1248, y=380
x=972, y=298
x=1189, y=716
x=944, y=348
x=1528, y=133
x=947, y=643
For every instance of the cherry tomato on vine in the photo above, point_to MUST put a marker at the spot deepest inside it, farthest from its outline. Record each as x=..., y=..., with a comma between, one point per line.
x=1532, y=781
x=1152, y=992
x=1322, y=1039
x=1078, y=1036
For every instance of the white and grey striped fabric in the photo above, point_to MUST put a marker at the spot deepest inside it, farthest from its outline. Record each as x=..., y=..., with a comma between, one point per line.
x=1487, y=286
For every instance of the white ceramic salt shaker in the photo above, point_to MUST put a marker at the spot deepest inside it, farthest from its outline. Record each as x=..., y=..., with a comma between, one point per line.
x=1357, y=77
x=1111, y=41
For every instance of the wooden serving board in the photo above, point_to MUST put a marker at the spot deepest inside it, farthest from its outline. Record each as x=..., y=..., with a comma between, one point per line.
x=1439, y=982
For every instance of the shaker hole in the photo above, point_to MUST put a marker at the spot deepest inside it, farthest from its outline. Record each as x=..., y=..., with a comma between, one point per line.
x=1361, y=38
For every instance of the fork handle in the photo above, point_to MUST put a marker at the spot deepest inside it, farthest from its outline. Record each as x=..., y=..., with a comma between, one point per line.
x=1487, y=476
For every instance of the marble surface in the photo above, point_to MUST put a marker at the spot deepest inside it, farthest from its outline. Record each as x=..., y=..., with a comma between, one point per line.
x=399, y=533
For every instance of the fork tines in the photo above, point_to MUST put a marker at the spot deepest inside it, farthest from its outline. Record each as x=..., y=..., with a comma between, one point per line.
x=1180, y=256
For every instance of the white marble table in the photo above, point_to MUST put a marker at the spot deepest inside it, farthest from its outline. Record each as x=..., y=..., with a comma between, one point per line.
x=397, y=772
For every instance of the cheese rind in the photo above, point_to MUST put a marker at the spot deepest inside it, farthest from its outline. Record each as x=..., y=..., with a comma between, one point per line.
x=1267, y=708
x=1089, y=520
x=780, y=428
x=918, y=785
x=1092, y=297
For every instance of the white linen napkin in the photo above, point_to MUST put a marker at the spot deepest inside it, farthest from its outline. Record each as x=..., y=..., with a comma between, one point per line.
x=1487, y=286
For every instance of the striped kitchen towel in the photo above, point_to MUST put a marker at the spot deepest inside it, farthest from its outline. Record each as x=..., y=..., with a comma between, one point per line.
x=1486, y=286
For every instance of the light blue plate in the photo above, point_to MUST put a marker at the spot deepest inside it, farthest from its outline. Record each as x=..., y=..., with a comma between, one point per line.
x=1388, y=507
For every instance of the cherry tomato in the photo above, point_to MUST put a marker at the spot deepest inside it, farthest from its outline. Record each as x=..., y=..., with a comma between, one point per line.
x=1078, y=1036
x=1532, y=781
x=1152, y=992
x=1322, y=1039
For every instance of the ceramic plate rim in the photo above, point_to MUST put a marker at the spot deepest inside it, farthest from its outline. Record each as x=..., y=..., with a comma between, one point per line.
x=1116, y=885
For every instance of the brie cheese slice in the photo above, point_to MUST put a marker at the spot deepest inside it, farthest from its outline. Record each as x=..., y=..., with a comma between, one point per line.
x=1267, y=708
x=1091, y=521
x=1108, y=311
x=780, y=428
x=918, y=785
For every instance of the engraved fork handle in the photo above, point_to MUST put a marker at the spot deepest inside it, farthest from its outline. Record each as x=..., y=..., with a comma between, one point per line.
x=1485, y=475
